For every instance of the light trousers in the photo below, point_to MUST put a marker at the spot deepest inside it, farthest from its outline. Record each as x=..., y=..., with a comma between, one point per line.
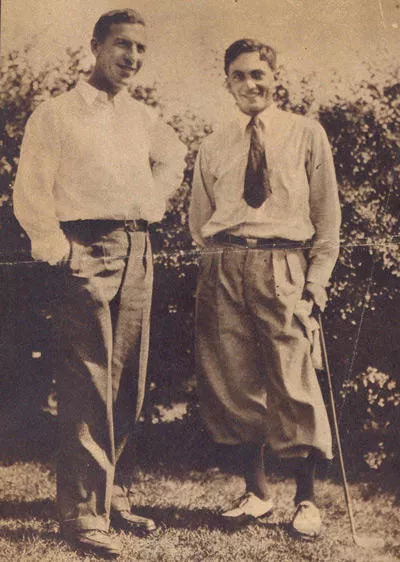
x=256, y=382
x=101, y=323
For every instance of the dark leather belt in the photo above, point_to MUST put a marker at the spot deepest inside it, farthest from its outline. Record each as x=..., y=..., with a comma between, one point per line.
x=253, y=243
x=104, y=225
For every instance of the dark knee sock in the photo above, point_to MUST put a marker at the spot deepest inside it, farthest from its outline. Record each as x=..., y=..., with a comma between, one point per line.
x=254, y=470
x=305, y=477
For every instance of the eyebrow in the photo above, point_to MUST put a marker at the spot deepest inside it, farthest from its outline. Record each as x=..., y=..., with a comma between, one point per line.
x=252, y=71
x=128, y=40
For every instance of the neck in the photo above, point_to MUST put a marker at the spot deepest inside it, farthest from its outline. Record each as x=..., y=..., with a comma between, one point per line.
x=255, y=114
x=99, y=82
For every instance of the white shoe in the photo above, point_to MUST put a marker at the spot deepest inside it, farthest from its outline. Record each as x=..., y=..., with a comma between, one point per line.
x=247, y=508
x=306, y=522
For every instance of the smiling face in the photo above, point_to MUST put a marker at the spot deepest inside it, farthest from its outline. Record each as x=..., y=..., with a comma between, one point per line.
x=119, y=57
x=251, y=82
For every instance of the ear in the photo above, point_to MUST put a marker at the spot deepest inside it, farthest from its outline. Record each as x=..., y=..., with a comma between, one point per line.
x=95, y=46
x=227, y=84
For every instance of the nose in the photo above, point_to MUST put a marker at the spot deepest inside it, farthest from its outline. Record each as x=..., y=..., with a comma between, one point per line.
x=134, y=51
x=131, y=54
x=250, y=84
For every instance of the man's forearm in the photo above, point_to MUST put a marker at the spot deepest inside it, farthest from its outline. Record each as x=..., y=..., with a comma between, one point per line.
x=33, y=198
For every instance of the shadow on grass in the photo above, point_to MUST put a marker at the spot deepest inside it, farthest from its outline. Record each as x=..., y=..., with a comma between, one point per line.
x=181, y=518
x=165, y=518
x=27, y=534
x=192, y=519
x=24, y=511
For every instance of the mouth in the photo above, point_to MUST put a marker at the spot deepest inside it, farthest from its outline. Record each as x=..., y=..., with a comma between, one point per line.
x=127, y=69
x=252, y=97
x=253, y=94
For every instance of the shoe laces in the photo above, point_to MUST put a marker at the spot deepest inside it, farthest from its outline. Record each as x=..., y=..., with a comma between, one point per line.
x=306, y=504
x=242, y=500
x=94, y=532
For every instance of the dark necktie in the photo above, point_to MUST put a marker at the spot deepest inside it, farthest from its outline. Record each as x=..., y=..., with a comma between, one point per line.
x=256, y=181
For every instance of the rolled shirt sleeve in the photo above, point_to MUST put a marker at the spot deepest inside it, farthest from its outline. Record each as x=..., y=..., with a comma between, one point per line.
x=33, y=199
x=325, y=211
x=202, y=204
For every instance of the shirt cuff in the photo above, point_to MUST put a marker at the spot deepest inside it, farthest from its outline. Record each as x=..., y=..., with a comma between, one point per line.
x=52, y=248
x=153, y=209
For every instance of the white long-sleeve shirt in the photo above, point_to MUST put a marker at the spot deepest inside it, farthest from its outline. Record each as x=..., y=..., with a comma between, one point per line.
x=86, y=157
x=304, y=202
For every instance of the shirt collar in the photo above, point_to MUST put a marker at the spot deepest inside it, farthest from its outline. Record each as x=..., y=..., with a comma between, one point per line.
x=265, y=116
x=91, y=94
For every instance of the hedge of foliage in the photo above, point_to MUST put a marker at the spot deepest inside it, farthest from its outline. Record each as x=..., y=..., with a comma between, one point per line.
x=364, y=304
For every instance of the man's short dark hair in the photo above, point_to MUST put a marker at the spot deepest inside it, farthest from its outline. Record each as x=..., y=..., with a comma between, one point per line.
x=267, y=53
x=102, y=27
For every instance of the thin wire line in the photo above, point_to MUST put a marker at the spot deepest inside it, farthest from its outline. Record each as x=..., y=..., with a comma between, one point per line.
x=364, y=308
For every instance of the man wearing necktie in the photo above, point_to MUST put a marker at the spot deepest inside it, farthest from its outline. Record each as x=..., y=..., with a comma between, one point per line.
x=266, y=214
x=84, y=193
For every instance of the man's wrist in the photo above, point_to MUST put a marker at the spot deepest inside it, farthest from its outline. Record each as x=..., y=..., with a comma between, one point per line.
x=65, y=258
x=54, y=249
x=315, y=293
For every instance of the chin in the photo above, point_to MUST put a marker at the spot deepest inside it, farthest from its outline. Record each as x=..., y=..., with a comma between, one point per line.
x=260, y=107
x=124, y=83
x=252, y=109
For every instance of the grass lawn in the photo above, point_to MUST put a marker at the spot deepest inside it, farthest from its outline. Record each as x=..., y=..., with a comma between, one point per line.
x=183, y=499
x=187, y=525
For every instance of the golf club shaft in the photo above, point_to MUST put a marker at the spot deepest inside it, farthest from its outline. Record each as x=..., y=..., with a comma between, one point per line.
x=337, y=435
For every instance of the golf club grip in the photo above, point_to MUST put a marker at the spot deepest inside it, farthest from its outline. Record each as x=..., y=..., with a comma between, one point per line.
x=336, y=429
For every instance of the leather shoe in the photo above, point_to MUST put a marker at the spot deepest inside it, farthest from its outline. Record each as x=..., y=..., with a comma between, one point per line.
x=246, y=509
x=128, y=521
x=95, y=542
x=306, y=523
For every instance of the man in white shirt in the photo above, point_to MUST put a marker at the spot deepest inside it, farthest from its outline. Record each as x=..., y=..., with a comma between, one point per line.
x=84, y=193
x=265, y=210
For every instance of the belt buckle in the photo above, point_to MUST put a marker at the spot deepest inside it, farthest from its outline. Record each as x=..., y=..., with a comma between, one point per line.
x=130, y=225
x=252, y=243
